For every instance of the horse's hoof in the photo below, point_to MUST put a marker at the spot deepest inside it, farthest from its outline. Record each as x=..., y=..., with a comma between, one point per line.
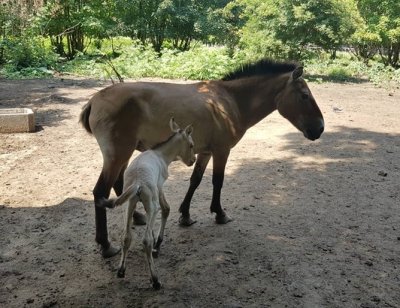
x=186, y=221
x=222, y=219
x=121, y=273
x=155, y=253
x=156, y=285
x=139, y=219
x=111, y=251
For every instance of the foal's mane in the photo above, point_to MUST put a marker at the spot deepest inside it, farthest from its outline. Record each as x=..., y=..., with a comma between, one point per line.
x=165, y=141
x=261, y=68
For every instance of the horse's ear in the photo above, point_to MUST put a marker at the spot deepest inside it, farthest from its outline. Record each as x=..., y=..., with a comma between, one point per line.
x=297, y=73
x=189, y=130
x=172, y=124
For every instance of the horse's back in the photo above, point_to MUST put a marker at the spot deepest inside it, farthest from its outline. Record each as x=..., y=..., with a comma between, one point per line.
x=142, y=111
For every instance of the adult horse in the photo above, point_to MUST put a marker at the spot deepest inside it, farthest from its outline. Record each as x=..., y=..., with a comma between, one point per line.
x=128, y=116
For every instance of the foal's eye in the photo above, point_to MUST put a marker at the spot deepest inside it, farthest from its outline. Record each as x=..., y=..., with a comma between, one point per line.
x=304, y=96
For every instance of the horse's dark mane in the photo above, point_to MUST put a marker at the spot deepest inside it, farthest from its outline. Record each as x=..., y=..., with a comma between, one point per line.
x=262, y=67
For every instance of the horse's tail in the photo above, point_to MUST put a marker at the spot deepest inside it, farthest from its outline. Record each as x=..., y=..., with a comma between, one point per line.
x=84, y=117
x=132, y=191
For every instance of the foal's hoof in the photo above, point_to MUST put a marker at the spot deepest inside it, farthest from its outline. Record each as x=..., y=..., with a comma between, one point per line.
x=139, y=219
x=156, y=285
x=186, y=221
x=222, y=219
x=111, y=251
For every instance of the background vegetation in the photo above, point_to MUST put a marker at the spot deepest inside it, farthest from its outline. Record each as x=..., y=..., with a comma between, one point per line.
x=199, y=39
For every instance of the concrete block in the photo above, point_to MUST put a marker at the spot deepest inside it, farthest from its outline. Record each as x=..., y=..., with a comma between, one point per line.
x=17, y=120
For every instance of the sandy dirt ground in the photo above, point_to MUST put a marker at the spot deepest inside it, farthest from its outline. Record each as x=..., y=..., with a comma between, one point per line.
x=316, y=224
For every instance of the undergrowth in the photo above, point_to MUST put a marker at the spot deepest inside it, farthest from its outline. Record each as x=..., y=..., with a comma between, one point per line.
x=35, y=59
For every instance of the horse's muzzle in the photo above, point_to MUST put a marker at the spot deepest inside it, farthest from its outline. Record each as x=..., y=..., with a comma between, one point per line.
x=314, y=133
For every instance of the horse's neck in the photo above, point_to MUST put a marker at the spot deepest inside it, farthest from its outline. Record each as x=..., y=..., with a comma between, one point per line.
x=256, y=96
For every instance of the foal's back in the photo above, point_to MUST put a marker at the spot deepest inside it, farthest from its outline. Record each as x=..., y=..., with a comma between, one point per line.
x=147, y=169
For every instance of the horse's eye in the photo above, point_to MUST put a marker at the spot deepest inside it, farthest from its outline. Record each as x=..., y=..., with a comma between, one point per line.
x=304, y=96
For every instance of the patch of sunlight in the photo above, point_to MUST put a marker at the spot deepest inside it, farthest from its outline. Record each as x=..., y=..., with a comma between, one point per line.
x=10, y=160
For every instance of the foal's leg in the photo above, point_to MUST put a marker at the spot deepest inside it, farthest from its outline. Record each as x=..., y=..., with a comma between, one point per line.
x=219, y=163
x=164, y=216
x=139, y=219
x=126, y=238
x=195, y=179
x=148, y=241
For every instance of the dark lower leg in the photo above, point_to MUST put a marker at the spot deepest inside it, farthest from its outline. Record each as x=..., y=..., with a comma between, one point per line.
x=101, y=226
x=101, y=191
x=195, y=179
x=218, y=180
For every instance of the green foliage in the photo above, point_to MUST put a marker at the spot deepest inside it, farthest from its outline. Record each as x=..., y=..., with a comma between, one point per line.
x=180, y=22
x=347, y=68
x=138, y=61
x=327, y=24
x=28, y=56
x=382, y=20
x=253, y=24
x=166, y=37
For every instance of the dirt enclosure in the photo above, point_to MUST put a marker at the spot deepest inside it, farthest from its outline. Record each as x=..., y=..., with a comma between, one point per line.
x=316, y=224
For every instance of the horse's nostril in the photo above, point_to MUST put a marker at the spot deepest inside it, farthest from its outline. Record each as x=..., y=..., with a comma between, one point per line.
x=322, y=129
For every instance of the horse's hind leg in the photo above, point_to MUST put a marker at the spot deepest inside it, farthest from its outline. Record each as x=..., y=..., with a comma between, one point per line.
x=101, y=191
x=119, y=183
x=195, y=179
x=139, y=219
x=114, y=158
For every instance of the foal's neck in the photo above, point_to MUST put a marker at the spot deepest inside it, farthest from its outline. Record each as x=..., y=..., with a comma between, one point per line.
x=168, y=151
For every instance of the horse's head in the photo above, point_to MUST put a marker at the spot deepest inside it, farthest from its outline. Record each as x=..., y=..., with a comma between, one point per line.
x=297, y=104
x=186, y=151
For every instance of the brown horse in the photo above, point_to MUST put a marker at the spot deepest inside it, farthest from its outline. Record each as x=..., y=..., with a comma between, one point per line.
x=129, y=116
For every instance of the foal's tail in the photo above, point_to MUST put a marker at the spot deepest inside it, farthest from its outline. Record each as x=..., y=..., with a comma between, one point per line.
x=84, y=117
x=132, y=191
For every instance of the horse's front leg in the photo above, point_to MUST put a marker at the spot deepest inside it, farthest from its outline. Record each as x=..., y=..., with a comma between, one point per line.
x=195, y=179
x=219, y=163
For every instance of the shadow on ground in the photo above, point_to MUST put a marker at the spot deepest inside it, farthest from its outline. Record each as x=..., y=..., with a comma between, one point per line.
x=317, y=228
x=47, y=102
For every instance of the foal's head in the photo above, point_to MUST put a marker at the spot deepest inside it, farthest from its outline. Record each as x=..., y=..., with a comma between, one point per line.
x=186, y=145
x=297, y=104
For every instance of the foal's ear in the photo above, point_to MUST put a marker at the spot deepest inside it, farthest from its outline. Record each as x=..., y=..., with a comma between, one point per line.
x=172, y=124
x=297, y=73
x=189, y=130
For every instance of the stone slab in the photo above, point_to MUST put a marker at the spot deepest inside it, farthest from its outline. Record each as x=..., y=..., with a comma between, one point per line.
x=17, y=120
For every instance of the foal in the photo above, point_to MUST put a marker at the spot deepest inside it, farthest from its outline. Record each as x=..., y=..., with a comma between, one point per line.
x=143, y=181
